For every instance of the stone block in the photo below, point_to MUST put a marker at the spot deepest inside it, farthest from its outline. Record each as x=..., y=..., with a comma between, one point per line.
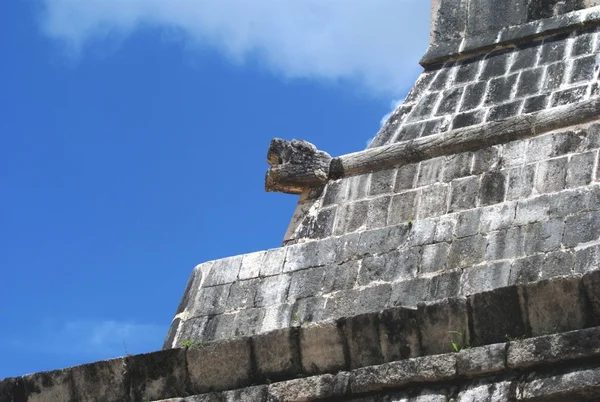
x=157, y=375
x=558, y=263
x=500, y=89
x=444, y=285
x=450, y=100
x=535, y=103
x=497, y=217
x=466, y=252
x=591, y=282
x=506, y=244
x=434, y=257
x=493, y=188
x=276, y=354
x=411, y=292
x=425, y=106
x=241, y=294
x=466, y=71
x=306, y=283
x=525, y=56
x=322, y=348
x=587, y=259
x=583, y=44
x=556, y=305
x=351, y=217
x=532, y=210
x=302, y=389
x=583, y=69
x=323, y=225
x=430, y=172
x=219, y=366
x=568, y=202
x=553, y=50
x=358, y=301
x=382, y=182
x=496, y=316
x=251, y=265
x=514, y=154
x=45, y=386
x=488, y=359
x=276, y=317
x=556, y=75
x=362, y=339
x=389, y=267
x=547, y=349
x=224, y=271
x=544, y=236
x=504, y=111
x=496, y=64
x=335, y=192
x=568, y=96
x=403, y=372
x=463, y=193
x=551, y=175
x=250, y=394
x=473, y=97
x=191, y=291
x=311, y=309
x=403, y=207
x=341, y=277
x=439, y=324
x=406, y=177
x=466, y=119
x=525, y=270
x=485, y=277
x=581, y=228
x=382, y=240
x=487, y=391
x=358, y=187
x=520, y=182
x=578, y=386
x=485, y=160
x=457, y=166
x=422, y=232
x=272, y=290
x=444, y=229
x=216, y=327
x=467, y=223
x=211, y=300
x=247, y=322
x=310, y=254
x=273, y=262
x=346, y=247
x=399, y=334
x=580, y=169
x=530, y=82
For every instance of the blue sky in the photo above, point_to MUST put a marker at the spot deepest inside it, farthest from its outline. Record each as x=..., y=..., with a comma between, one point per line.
x=134, y=137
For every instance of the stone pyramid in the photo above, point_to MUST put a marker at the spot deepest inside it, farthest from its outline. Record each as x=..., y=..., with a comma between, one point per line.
x=457, y=258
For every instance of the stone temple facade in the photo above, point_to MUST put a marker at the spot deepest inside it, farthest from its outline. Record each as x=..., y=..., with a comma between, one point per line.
x=457, y=258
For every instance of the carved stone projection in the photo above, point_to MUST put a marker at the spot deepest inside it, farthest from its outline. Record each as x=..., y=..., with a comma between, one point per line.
x=295, y=165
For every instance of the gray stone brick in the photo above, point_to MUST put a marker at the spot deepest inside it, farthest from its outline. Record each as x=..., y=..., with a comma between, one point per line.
x=525, y=57
x=541, y=148
x=466, y=71
x=568, y=96
x=322, y=226
x=248, y=322
x=382, y=182
x=445, y=285
x=551, y=175
x=535, y=104
x=457, y=166
x=410, y=131
x=566, y=142
x=302, y=389
x=430, y=171
x=382, y=240
x=449, y=103
x=358, y=301
x=514, y=153
x=241, y=294
x=486, y=159
x=358, y=186
x=362, y=337
x=434, y=257
x=583, y=44
x=399, y=334
x=580, y=169
x=558, y=263
x=473, y=96
x=406, y=177
x=435, y=126
x=500, y=89
x=485, y=277
x=335, y=192
x=496, y=64
x=322, y=347
x=497, y=217
x=555, y=74
x=377, y=215
x=544, y=236
x=583, y=69
x=251, y=265
x=505, y=244
x=587, y=259
x=493, y=188
x=272, y=290
x=553, y=50
x=341, y=277
x=555, y=305
x=466, y=252
x=463, y=193
x=520, y=182
x=591, y=283
x=249, y=394
x=310, y=309
x=444, y=229
x=219, y=327
x=346, y=246
x=468, y=119
x=436, y=320
x=306, y=283
x=425, y=107
x=310, y=254
x=211, y=300
x=422, y=232
x=504, y=111
x=467, y=223
x=389, y=267
x=532, y=210
x=440, y=81
x=273, y=262
x=278, y=316
x=411, y=292
x=581, y=228
x=529, y=82
x=482, y=360
x=433, y=201
x=403, y=207
x=276, y=354
x=526, y=269
x=223, y=271
x=351, y=217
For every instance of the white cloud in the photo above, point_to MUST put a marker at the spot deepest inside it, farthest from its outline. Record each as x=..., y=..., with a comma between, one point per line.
x=376, y=43
x=93, y=339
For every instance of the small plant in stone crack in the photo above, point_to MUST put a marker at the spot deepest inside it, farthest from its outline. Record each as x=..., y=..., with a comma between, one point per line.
x=192, y=344
x=455, y=343
x=410, y=223
x=511, y=338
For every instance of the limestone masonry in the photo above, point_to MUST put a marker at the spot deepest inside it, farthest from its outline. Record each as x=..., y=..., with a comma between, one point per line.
x=457, y=258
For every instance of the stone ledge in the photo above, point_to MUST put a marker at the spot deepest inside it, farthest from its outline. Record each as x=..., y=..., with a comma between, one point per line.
x=406, y=346
x=444, y=51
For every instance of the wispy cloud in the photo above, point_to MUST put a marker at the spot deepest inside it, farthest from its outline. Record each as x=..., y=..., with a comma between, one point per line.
x=375, y=43
x=93, y=339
